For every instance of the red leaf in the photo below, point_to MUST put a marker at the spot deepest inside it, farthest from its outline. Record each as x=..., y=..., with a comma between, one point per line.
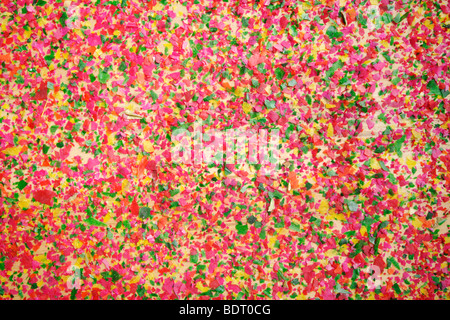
x=283, y=22
x=44, y=196
x=380, y=263
x=134, y=207
x=273, y=116
x=41, y=93
x=214, y=284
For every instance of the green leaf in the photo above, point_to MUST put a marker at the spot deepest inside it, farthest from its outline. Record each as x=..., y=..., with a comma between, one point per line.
x=174, y=204
x=262, y=234
x=383, y=224
x=94, y=222
x=333, y=33
x=113, y=275
x=392, y=178
x=103, y=77
x=380, y=149
x=403, y=17
x=49, y=58
x=394, y=262
x=352, y=206
x=279, y=73
x=397, y=288
x=53, y=129
x=387, y=57
x=242, y=229
x=251, y=219
x=270, y=104
x=63, y=19
x=362, y=21
x=81, y=65
x=154, y=95
x=220, y=289
x=275, y=194
x=383, y=166
x=367, y=222
x=21, y=184
x=279, y=224
x=144, y=212
x=433, y=87
x=123, y=66
x=398, y=146
x=295, y=227
x=45, y=148
x=344, y=81
x=396, y=80
x=193, y=258
x=340, y=290
x=73, y=294
x=335, y=66
x=386, y=18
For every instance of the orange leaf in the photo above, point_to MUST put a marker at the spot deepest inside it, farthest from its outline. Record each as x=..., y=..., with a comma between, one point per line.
x=293, y=179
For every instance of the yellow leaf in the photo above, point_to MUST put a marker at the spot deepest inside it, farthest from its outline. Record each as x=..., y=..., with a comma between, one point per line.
x=24, y=202
x=49, y=10
x=363, y=231
x=13, y=151
x=246, y=107
x=239, y=92
x=330, y=131
x=416, y=223
x=57, y=212
x=330, y=253
x=124, y=185
x=410, y=163
x=375, y=164
x=107, y=218
x=77, y=243
x=415, y=134
x=41, y=258
x=148, y=146
x=200, y=287
x=272, y=241
x=323, y=206
x=98, y=53
x=240, y=275
x=78, y=32
x=424, y=292
x=429, y=24
x=162, y=47
x=111, y=139
x=135, y=280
